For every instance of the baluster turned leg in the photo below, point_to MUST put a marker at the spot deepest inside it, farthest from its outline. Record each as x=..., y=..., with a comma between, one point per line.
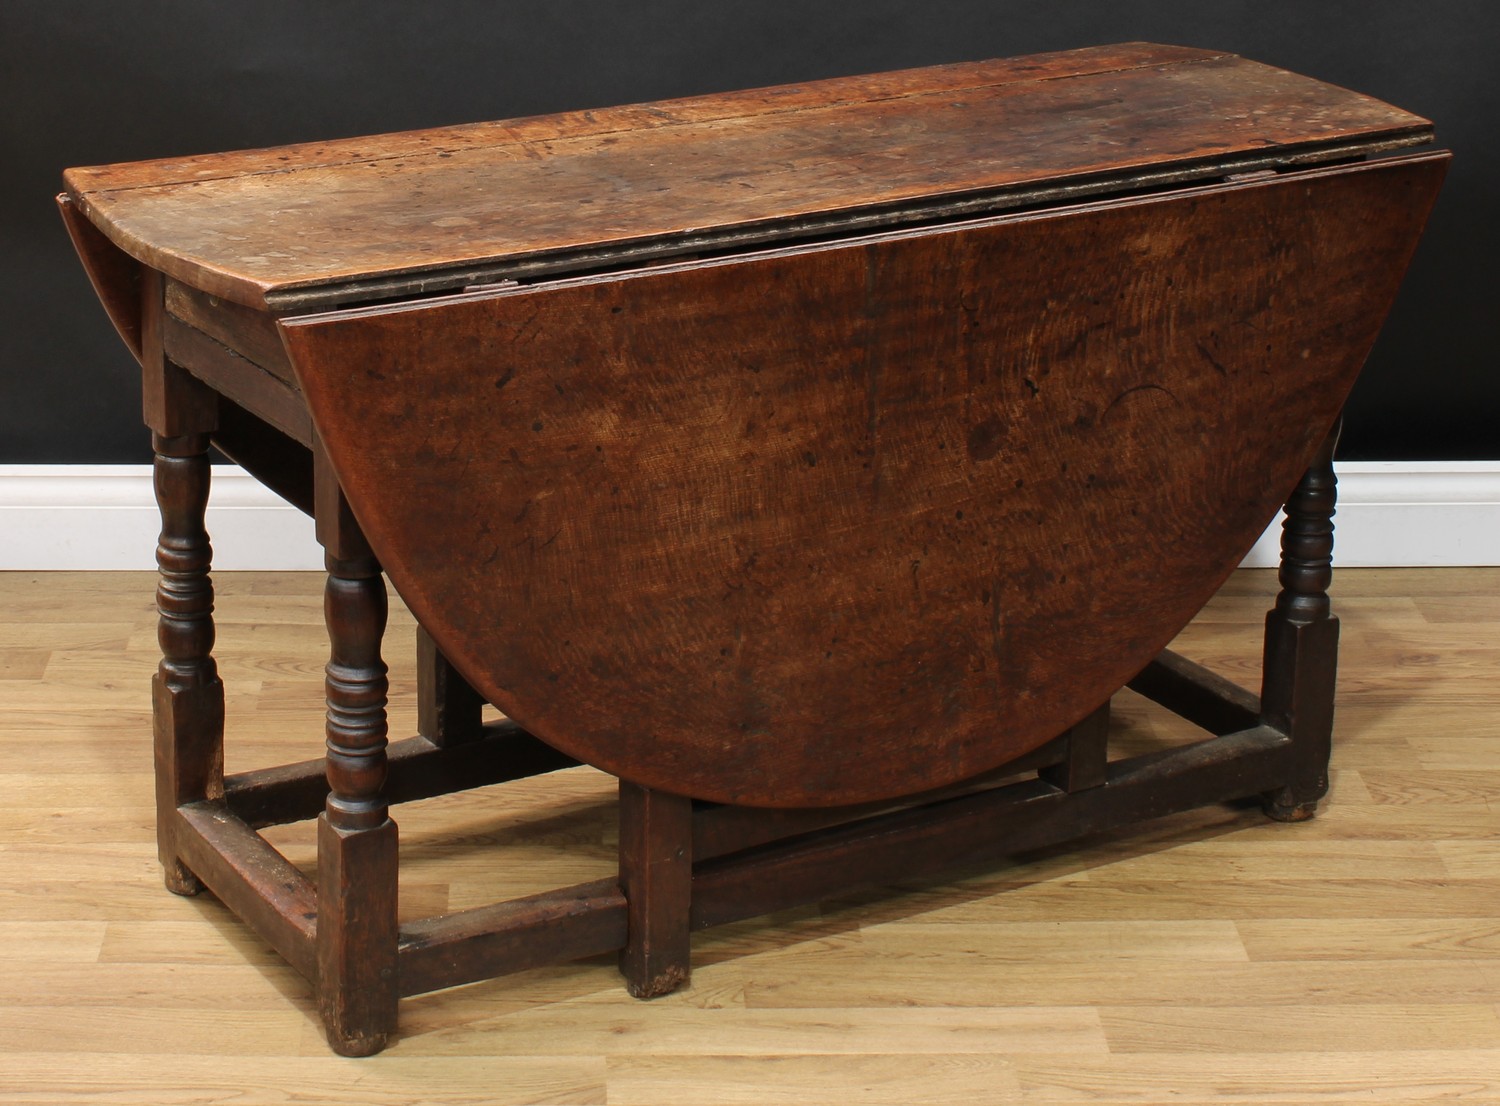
x=1302, y=640
x=357, y=932
x=187, y=697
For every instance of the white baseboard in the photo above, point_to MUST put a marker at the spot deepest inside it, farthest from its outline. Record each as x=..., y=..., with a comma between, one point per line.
x=104, y=517
x=1408, y=514
x=1391, y=513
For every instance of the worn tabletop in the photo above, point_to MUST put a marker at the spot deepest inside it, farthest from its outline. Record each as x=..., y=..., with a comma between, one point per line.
x=365, y=218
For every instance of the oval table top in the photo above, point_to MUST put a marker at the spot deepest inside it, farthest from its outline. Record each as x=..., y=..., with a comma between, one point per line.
x=850, y=521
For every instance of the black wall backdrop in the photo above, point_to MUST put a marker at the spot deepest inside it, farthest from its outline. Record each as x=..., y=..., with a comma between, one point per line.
x=94, y=82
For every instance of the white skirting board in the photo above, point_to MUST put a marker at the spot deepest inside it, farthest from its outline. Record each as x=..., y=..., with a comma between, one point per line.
x=1391, y=513
x=104, y=517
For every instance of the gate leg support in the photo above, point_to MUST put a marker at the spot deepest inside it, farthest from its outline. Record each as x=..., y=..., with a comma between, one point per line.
x=656, y=874
x=449, y=711
x=1087, y=763
x=1302, y=641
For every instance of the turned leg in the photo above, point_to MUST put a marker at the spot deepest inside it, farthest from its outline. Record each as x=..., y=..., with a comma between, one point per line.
x=449, y=711
x=187, y=697
x=656, y=874
x=356, y=933
x=1302, y=640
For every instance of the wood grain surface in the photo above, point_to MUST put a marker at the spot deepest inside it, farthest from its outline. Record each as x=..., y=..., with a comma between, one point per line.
x=438, y=206
x=1212, y=957
x=848, y=522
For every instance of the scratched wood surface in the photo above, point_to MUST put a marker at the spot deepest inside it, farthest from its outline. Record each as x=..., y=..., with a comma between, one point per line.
x=265, y=223
x=1213, y=957
x=852, y=522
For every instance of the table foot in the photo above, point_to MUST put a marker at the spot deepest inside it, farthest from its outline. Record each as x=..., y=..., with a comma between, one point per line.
x=656, y=874
x=356, y=936
x=1302, y=639
x=180, y=881
x=1282, y=806
x=356, y=939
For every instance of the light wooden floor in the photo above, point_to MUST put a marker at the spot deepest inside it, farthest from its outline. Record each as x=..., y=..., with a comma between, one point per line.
x=1213, y=957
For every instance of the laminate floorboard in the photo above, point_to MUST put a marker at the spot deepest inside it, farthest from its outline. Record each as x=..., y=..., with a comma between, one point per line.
x=1210, y=957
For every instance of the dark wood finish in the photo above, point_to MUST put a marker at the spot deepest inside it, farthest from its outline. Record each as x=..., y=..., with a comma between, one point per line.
x=449, y=711
x=850, y=539
x=115, y=275
x=252, y=879
x=1086, y=763
x=279, y=462
x=238, y=378
x=187, y=697
x=174, y=403
x=357, y=980
x=658, y=179
x=656, y=875
x=416, y=768
x=921, y=402
x=250, y=333
x=356, y=937
x=572, y=922
x=1302, y=637
x=719, y=830
x=985, y=825
x=1204, y=698
x=916, y=842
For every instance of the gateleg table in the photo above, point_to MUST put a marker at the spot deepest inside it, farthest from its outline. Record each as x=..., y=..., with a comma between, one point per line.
x=817, y=460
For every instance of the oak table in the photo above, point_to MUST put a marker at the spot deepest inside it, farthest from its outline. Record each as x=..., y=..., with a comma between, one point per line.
x=818, y=460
